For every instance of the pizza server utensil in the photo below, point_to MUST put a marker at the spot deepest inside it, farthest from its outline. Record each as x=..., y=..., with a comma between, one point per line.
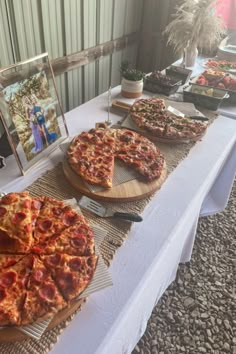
x=100, y=210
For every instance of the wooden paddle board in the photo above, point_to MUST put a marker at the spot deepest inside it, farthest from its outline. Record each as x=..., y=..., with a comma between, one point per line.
x=125, y=192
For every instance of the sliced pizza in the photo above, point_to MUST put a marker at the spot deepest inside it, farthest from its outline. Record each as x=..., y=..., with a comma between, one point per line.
x=91, y=156
x=15, y=223
x=13, y=282
x=71, y=274
x=42, y=299
x=75, y=240
x=53, y=218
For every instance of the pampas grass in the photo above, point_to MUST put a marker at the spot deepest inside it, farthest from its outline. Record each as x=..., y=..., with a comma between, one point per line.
x=195, y=23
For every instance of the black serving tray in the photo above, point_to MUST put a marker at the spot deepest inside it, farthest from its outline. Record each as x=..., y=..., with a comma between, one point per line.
x=179, y=73
x=154, y=85
x=209, y=102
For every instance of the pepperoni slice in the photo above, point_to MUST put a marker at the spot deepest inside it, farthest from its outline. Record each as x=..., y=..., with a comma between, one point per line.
x=74, y=264
x=2, y=211
x=18, y=217
x=27, y=204
x=45, y=225
x=47, y=292
x=57, y=211
x=54, y=260
x=69, y=219
x=36, y=204
x=40, y=275
x=9, y=198
x=78, y=241
x=7, y=279
x=37, y=249
x=81, y=230
x=10, y=263
x=65, y=280
x=3, y=294
x=90, y=261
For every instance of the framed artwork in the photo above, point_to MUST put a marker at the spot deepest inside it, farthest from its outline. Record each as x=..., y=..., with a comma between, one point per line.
x=30, y=109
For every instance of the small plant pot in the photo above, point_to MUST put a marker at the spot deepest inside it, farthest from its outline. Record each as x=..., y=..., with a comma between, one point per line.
x=131, y=89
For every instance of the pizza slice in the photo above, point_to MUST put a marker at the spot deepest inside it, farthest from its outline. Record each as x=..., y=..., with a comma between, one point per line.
x=90, y=155
x=141, y=155
x=53, y=218
x=15, y=223
x=13, y=282
x=76, y=240
x=71, y=274
x=43, y=298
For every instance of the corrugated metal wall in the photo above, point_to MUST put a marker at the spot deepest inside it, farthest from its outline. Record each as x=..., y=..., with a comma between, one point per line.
x=62, y=27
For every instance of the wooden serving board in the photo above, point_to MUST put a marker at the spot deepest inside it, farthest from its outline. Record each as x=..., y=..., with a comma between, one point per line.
x=12, y=334
x=125, y=192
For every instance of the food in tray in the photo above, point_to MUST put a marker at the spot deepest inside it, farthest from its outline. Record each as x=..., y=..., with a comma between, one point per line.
x=159, y=82
x=91, y=155
x=47, y=257
x=224, y=65
x=162, y=78
x=220, y=80
x=151, y=116
x=204, y=91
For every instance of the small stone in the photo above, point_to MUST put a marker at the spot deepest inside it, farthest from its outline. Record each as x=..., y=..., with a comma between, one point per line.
x=204, y=315
x=202, y=350
x=218, y=321
x=170, y=317
x=137, y=349
x=218, y=283
x=226, y=323
x=154, y=342
x=208, y=346
x=208, y=332
x=226, y=346
x=188, y=302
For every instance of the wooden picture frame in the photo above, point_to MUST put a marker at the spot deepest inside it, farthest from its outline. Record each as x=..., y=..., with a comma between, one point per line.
x=31, y=111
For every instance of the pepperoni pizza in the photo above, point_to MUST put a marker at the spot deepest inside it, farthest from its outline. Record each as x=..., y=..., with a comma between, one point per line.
x=151, y=116
x=47, y=258
x=91, y=155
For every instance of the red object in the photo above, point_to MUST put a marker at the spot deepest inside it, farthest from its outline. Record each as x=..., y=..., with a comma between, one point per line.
x=227, y=10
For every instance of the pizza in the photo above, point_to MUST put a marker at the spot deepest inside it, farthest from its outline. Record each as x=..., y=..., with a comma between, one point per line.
x=91, y=155
x=16, y=224
x=54, y=263
x=150, y=115
x=72, y=274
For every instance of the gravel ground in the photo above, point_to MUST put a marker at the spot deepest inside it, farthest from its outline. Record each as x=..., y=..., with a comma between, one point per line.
x=197, y=313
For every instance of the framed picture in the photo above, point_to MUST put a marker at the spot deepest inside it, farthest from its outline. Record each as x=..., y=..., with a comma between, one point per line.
x=30, y=110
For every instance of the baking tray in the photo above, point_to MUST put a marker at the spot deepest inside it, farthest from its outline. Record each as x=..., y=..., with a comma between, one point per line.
x=179, y=73
x=232, y=94
x=209, y=102
x=155, y=86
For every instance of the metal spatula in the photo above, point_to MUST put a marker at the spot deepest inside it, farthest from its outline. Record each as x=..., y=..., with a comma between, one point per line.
x=100, y=210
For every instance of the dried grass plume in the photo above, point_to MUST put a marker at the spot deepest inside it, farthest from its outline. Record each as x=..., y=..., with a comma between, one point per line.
x=195, y=22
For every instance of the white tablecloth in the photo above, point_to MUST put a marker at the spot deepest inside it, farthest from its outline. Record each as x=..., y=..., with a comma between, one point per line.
x=114, y=319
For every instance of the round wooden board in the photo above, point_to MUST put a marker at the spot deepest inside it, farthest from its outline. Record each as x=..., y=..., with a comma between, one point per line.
x=12, y=334
x=125, y=192
x=172, y=140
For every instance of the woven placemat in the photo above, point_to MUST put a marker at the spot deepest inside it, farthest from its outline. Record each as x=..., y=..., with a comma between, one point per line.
x=54, y=184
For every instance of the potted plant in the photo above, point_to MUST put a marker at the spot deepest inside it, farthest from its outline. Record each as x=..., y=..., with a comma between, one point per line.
x=195, y=26
x=132, y=81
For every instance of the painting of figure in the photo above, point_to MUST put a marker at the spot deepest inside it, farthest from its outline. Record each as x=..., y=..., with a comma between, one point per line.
x=33, y=112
